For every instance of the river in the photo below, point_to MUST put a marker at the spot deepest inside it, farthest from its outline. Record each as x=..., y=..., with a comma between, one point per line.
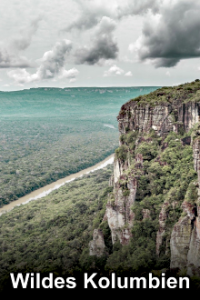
x=42, y=192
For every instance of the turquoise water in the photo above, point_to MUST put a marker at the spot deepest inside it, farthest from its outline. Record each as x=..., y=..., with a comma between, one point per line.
x=49, y=133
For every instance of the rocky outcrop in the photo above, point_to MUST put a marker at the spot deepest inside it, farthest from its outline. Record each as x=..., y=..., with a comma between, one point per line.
x=119, y=214
x=162, y=221
x=97, y=245
x=193, y=257
x=117, y=170
x=185, y=246
x=179, y=243
x=162, y=118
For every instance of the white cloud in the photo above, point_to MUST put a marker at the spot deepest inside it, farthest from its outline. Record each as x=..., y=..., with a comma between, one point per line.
x=132, y=47
x=128, y=74
x=114, y=70
x=53, y=61
x=52, y=64
x=72, y=80
x=21, y=76
x=71, y=74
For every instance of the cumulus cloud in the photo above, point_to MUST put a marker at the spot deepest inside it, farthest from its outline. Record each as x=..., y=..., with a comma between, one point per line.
x=72, y=80
x=52, y=64
x=54, y=60
x=128, y=74
x=70, y=74
x=171, y=35
x=104, y=46
x=132, y=47
x=114, y=70
x=91, y=12
x=21, y=76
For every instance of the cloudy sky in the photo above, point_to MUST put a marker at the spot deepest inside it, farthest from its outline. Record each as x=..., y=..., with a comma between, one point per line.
x=66, y=43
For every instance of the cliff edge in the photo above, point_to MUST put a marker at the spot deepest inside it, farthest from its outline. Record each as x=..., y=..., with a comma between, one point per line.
x=156, y=179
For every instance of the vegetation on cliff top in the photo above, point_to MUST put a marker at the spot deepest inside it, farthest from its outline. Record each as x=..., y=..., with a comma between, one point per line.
x=184, y=92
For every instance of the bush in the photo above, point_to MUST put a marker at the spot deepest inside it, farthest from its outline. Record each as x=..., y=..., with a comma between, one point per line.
x=122, y=152
x=148, y=150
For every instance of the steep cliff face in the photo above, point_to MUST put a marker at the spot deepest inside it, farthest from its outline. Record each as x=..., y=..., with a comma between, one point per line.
x=119, y=214
x=157, y=174
x=185, y=237
x=163, y=118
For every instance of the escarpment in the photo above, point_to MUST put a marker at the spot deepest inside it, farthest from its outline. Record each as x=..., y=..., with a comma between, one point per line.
x=185, y=237
x=156, y=178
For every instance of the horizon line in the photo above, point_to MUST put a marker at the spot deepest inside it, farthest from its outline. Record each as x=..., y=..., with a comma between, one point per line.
x=73, y=87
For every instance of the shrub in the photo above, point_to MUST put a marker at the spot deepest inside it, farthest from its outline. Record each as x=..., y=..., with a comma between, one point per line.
x=148, y=150
x=121, y=152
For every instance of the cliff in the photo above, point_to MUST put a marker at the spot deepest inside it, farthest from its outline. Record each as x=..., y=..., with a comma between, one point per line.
x=156, y=179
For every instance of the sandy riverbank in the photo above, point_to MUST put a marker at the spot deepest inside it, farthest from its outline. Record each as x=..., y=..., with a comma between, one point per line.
x=55, y=185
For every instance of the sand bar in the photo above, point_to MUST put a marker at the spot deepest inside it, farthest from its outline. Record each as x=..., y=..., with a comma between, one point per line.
x=47, y=189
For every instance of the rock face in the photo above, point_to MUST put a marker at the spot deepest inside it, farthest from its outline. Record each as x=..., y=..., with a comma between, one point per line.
x=119, y=214
x=172, y=114
x=132, y=117
x=162, y=118
x=185, y=237
x=162, y=221
x=97, y=245
x=179, y=243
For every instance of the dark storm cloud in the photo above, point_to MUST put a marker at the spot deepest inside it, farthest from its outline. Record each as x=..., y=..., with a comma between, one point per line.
x=9, y=60
x=103, y=45
x=175, y=35
x=91, y=12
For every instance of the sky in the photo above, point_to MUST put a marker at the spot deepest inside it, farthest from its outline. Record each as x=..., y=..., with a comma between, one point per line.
x=70, y=43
